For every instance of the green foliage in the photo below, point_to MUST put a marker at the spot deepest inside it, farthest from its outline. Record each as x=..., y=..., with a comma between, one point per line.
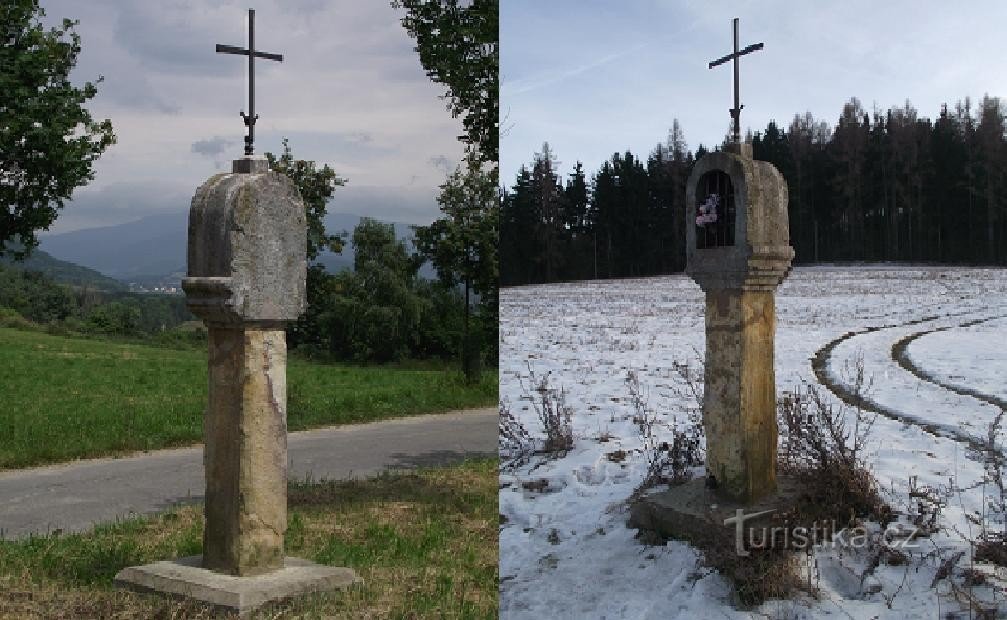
x=114, y=318
x=462, y=245
x=458, y=47
x=375, y=309
x=62, y=309
x=381, y=311
x=48, y=141
x=34, y=296
x=104, y=397
x=441, y=323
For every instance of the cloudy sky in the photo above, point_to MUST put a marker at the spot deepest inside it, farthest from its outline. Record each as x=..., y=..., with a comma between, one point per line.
x=350, y=92
x=593, y=77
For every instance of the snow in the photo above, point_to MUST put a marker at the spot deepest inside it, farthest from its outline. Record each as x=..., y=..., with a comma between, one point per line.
x=565, y=550
x=965, y=357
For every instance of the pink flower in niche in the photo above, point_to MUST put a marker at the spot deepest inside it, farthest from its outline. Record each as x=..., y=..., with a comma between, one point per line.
x=708, y=210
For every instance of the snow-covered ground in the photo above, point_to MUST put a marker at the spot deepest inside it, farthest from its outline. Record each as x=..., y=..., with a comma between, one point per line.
x=565, y=550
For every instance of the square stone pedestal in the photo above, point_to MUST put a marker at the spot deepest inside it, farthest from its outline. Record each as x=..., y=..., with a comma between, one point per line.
x=696, y=514
x=187, y=578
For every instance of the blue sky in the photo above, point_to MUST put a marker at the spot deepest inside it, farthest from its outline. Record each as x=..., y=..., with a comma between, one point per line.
x=593, y=77
x=350, y=92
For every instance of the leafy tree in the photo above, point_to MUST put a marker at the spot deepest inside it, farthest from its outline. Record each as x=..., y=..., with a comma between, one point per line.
x=374, y=310
x=114, y=318
x=462, y=245
x=458, y=47
x=34, y=296
x=48, y=140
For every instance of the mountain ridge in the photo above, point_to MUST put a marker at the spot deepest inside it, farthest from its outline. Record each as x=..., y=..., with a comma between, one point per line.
x=152, y=249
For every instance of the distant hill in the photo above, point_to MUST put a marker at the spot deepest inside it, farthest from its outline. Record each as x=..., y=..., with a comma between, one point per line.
x=151, y=246
x=65, y=272
x=152, y=249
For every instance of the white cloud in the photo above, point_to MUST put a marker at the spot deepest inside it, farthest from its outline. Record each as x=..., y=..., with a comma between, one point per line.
x=350, y=92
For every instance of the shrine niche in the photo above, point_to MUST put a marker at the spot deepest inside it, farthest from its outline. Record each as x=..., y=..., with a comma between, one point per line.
x=715, y=210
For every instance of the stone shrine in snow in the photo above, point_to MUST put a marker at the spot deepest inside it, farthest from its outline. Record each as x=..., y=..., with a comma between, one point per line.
x=738, y=251
x=246, y=279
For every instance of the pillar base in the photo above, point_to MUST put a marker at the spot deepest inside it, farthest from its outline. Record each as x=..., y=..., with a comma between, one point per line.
x=695, y=513
x=186, y=578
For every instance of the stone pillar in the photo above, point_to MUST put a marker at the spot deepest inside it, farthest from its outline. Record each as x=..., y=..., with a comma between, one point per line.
x=247, y=268
x=245, y=429
x=246, y=279
x=739, y=408
x=738, y=262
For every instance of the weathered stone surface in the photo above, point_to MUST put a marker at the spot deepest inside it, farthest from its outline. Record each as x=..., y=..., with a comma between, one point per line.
x=247, y=268
x=245, y=458
x=186, y=578
x=740, y=280
x=739, y=398
x=695, y=513
x=246, y=252
x=761, y=255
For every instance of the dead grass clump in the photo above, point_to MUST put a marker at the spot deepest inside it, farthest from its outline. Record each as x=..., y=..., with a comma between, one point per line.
x=991, y=544
x=668, y=462
x=553, y=413
x=515, y=444
x=767, y=573
x=823, y=447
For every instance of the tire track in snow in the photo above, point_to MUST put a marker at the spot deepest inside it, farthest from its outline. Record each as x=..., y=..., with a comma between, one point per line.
x=820, y=367
x=901, y=356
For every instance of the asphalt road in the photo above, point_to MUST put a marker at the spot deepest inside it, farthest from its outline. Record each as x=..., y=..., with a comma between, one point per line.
x=74, y=496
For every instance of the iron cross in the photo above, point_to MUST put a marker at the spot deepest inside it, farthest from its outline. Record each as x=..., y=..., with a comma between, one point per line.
x=736, y=110
x=252, y=54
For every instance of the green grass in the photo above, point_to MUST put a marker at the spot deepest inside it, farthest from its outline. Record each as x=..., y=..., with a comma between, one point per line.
x=425, y=544
x=67, y=398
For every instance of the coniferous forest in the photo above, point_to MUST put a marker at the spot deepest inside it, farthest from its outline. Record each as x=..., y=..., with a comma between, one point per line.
x=878, y=186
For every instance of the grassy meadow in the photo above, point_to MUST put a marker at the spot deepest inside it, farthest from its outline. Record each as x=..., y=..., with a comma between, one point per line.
x=67, y=398
x=424, y=542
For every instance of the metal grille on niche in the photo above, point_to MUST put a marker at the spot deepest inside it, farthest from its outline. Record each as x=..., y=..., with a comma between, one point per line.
x=715, y=212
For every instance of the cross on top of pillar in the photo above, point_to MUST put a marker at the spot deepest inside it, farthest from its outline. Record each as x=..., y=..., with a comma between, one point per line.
x=735, y=55
x=252, y=54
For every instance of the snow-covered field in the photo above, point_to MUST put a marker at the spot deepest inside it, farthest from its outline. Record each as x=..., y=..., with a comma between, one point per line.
x=565, y=551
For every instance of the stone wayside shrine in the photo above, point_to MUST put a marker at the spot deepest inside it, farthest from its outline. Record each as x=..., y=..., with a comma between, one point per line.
x=738, y=251
x=246, y=279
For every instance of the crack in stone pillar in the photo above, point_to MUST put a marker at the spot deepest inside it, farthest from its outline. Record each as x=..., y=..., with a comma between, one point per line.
x=245, y=453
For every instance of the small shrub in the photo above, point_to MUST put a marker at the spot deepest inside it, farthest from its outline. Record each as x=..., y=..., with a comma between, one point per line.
x=823, y=445
x=991, y=545
x=13, y=318
x=553, y=413
x=516, y=445
x=667, y=462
